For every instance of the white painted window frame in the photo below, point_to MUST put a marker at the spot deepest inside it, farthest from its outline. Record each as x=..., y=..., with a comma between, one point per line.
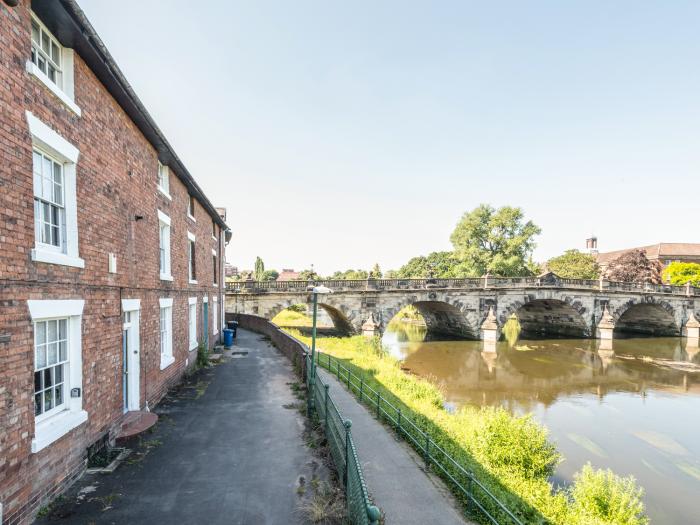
x=51, y=428
x=66, y=91
x=191, y=239
x=164, y=174
x=166, y=355
x=47, y=140
x=164, y=221
x=192, y=322
x=191, y=200
x=215, y=254
x=215, y=316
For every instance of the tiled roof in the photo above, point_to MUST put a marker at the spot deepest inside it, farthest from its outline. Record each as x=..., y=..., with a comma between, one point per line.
x=656, y=251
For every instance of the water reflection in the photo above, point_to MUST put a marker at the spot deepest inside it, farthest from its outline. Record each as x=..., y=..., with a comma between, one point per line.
x=631, y=405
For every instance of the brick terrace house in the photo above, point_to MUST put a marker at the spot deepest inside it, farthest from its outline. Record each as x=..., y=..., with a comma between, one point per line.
x=664, y=252
x=111, y=256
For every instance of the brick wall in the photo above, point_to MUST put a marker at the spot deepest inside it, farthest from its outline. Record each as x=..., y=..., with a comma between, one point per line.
x=116, y=181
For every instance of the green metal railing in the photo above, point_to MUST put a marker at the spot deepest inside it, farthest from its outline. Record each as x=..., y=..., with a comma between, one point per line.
x=342, y=448
x=478, y=497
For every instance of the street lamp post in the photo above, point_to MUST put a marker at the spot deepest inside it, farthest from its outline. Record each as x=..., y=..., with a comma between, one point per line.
x=316, y=290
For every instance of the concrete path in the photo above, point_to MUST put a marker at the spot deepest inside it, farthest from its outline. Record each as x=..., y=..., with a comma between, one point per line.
x=394, y=473
x=229, y=448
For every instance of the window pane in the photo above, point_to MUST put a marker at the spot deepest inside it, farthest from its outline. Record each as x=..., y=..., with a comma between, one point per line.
x=37, y=382
x=58, y=194
x=52, y=73
x=58, y=374
x=52, y=353
x=35, y=31
x=55, y=54
x=48, y=399
x=40, y=333
x=41, y=62
x=62, y=350
x=45, y=44
x=48, y=380
x=40, y=357
x=52, y=330
x=63, y=328
x=57, y=178
x=59, y=395
x=37, y=404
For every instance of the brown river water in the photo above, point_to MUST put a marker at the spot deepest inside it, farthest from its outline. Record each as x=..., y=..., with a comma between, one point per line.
x=632, y=406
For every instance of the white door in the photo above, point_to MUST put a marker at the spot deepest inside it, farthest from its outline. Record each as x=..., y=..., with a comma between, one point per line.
x=131, y=370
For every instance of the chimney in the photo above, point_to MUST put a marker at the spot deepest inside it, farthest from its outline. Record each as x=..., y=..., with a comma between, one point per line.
x=592, y=245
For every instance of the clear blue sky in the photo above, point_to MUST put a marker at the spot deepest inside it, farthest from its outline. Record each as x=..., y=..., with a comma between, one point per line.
x=348, y=133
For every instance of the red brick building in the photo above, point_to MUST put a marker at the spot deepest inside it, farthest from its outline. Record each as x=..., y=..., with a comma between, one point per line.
x=111, y=256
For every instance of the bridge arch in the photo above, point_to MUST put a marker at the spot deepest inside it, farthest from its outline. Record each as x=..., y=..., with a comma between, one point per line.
x=648, y=317
x=550, y=317
x=441, y=317
x=341, y=321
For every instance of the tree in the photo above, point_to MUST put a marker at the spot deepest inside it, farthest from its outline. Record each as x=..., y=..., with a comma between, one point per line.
x=270, y=275
x=259, y=269
x=436, y=264
x=308, y=275
x=497, y=241
x=680, y=273
x=573, y=264
x=376, y=272
x=633, y=266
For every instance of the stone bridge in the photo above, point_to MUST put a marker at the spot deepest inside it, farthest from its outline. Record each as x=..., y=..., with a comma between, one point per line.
x=477, y=308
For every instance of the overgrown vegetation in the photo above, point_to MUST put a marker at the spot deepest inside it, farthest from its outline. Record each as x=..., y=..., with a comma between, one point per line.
x=202, y=355
x=511, y=455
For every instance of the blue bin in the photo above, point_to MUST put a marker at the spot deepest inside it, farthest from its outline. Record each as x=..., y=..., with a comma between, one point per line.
x=228, y=337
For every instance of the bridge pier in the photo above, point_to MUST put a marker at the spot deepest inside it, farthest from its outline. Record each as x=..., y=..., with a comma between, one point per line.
x=692, y=330
x=606, y=326
x=490, y=331
x=371, y=327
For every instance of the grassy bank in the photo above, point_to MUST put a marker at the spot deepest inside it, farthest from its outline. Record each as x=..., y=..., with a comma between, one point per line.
x=511, y=455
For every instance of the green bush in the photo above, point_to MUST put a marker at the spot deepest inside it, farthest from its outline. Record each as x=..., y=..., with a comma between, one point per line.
x=680, y=273
x=202, y=355
x=607, y=498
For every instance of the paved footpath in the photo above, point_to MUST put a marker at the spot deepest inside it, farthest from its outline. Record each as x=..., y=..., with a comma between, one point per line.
x=394, y=473
x=228, y=449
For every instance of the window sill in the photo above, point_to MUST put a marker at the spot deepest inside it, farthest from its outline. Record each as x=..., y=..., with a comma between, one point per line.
x=191, y=217
x=213, y=238
x=61, y=95
x=166, y=277
x=193, y=345
x=55, y=427
x=39, y=255
x=166, y=361
x=193, y=282
x=164, y=193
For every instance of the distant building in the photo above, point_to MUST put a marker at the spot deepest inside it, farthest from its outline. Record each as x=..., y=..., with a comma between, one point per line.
x=231, y=270
x=288, y=274
x=664, y=252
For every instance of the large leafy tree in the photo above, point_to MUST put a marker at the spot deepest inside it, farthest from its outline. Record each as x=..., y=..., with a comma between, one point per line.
x=436, y=264
x=680, y=273
x=270, y=275
x=634, y=266
x=259, y=269
x=498, y=241
x=573, y=264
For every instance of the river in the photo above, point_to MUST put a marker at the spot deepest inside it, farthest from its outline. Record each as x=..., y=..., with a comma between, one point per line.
x=632, y=406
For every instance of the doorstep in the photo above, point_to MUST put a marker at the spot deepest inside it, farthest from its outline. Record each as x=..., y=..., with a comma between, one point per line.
x=135, y=423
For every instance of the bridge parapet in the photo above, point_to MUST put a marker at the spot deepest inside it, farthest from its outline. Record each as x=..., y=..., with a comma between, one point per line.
x=485, y=283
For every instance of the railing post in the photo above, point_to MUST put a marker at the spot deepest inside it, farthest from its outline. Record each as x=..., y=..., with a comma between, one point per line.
x=348, y=370
x=347, y=424
x=427, y=450
x=379, y=400
x=398, y=421
x=362, y=386
x=325, y=408
x=470, y=479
